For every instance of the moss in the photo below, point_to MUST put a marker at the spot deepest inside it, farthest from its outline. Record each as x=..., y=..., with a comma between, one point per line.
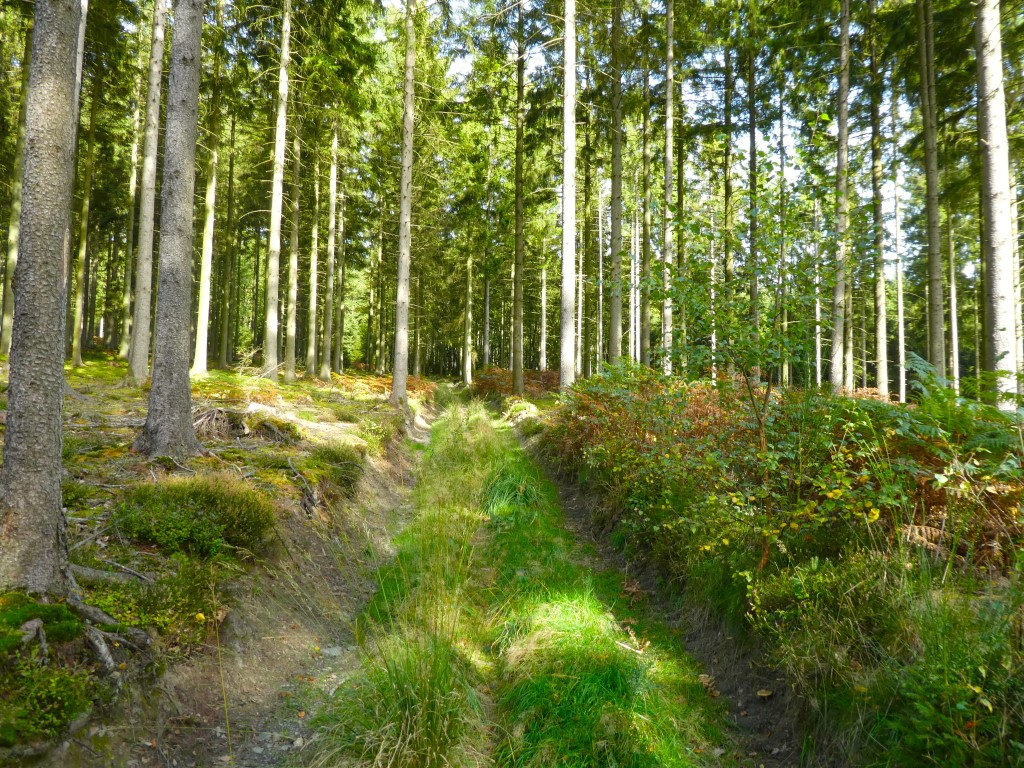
x=39, y=702
x=200, y=516
x=16, y=609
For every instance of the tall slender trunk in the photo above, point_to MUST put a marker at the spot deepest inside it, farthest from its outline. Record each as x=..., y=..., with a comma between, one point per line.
x=467, y=322
x=877, y=219
x=728, y=263
x=645, y=259
x=314, y=269
x=954, y=323
x=929, y=113
x=273, y=273
x=487, y=320
x=168, y=430
x=518, y=385
x=138, y=354
x=817, y=296
x=332, y=236
x=600, y=278
x=543, y=344
x=752, y=247
x=567, y=362
x=78, y=324
x=229, y=283
x=401, y=352
x=342, y=269
x=202, y=350
x=615, y=295
x=14, y=222
x=291, y=311
x=839, y=295
x=33, y=541
x=667, y=249
x=998, y=246
x=133, y=183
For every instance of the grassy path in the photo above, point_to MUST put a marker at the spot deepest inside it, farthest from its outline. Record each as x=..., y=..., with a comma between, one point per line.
x=492, y=642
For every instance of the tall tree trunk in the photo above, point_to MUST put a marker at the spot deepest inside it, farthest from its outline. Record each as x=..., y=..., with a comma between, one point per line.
x=168, y=430
x=615, y=296
x=929, y=116
x=954, y=323
x=339, y=336
x=728, y=259
x=33, y=541
x=291, y=312
x=229, y=283
x=133, y=183
x=877, y=219
x=467, y=322
x=202, y=350
x=314, y=268
x=400, y=371
x=839, y=296
x=16, y=197
x=332, y=238
x=645, y=259
x=752, y=247
x=998, y=246
x=273, y=273
x=138, y=355
x=487, y=320
x=817, y=298
x=667, y=249
x=78, y=325
x=518, y=386
x=567, y=362
x=543, y=344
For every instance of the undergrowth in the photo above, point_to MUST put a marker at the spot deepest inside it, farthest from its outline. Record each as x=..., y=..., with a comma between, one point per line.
x=873, y=548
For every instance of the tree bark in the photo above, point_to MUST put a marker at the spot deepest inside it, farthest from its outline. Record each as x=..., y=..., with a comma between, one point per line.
x=877, y=219
x=667, y=248
x=400, y=372
x=998, y=246
x=273, y=273
x=518, y=385
x=567, y=361
x=168, y=430
x=314, y=267
x=929, y=112
x=82, y=261
x=138, y=355
x=332, y=237
x=543, y=344
x=645, y=259
x=230, y=282
x=14, y=222
x=615, y=295
x=199, y=359
x=954, y=323
x=753, y=215
x=291, y=311
x=839, y=295
x=133, y=183
x=33, y=542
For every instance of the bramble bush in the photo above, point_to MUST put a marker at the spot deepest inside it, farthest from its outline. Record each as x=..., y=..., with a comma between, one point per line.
x=856, y=538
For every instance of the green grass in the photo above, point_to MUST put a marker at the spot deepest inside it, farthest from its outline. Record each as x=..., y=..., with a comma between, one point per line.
x=490, y=642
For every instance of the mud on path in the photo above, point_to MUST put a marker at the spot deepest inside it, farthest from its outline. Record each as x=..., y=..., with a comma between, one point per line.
x=765, y=730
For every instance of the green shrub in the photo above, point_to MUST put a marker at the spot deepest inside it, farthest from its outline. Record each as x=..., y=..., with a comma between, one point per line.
x=380, y=428
x=339, y=464
x=200, y=516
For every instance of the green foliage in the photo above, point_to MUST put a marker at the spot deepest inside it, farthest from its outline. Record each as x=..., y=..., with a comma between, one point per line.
x=200, y=516
x=380, y=427
x=171, y=604
x=511, y=491
x=39, y=701
x=816, y=522
x=339, y=464
x=59, y=623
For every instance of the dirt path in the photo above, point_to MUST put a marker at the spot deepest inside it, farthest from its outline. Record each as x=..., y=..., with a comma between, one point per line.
x=765, y=729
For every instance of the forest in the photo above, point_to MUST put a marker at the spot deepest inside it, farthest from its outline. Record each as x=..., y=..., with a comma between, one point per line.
x=637, y=383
